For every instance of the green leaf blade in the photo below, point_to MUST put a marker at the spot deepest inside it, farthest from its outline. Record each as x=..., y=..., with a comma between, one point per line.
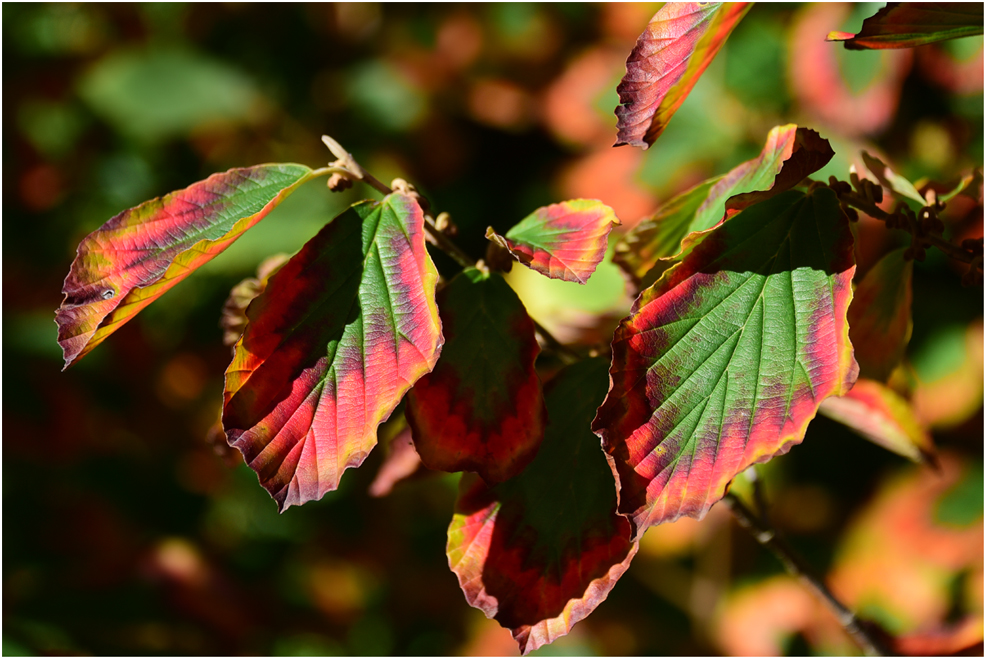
x=911, y=24
x=138, y=255
x=725, y=359
x=789, y=155
x=552, y=530
x=481, y=409
x=336, y=339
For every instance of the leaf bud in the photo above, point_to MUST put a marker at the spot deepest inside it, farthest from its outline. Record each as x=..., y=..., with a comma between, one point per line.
x=339, y=183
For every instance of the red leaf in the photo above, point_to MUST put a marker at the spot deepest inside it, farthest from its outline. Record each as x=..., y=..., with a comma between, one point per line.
x=675, y=49
x=880, y=415
x=880, y=318
x=137, y=256
x=910, y=24
x=541, y=551
x=341, y=332
x=481, y=409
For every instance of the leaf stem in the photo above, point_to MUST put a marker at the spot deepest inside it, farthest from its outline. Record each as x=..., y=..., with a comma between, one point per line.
x=769, y=538
x=346, y=165
x=907, y=224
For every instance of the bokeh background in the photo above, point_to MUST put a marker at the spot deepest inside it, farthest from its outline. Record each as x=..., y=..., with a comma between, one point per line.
x=129, y=529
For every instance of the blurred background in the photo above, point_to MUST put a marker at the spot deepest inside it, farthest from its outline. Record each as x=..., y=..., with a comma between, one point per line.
x=130, y=529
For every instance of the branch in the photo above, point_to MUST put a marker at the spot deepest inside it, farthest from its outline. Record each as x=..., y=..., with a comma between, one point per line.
x=768, y=537
x=923, y=231
x=347, y=166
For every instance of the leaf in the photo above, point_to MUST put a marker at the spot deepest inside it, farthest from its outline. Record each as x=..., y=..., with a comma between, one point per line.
x=675, y=49
x=564, y=240
x=233, y=320
x=481, y=409
x=881, y=317
x=541, y=551
x=723, y=361
x=910, y=24
x=880, y=415
x=400, y=463
x=896, y=184
x=137, y=256
x=340, y=334
x=789, y=155
x=971, y=184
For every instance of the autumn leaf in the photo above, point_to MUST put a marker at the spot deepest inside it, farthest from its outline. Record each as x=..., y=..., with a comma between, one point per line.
x=564, y=240
x=541, y=551
x=910, y=24
x=336, y=339
x=882, y=416
x=881, y=317
x=675, y=49
x=481, y=409
x=724, y=360
x=789, y=155
x=138, y=255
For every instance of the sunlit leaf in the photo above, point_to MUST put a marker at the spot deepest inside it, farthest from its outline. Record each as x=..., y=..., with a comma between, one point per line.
x=881, y=317
x=789, y=155
x=539, y=552
x=341, y=332
x=137, y=256
x=675, y=49
x=909, y=24
x=724, y=361
x=564, y=240
x=880, y=415
x=481, y=409
x=896, y=184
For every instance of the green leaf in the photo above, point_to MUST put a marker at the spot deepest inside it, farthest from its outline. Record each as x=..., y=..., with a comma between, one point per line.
x=910, y=24
x=789, y=155
x=881, y=317
x=882, y=416
x=564, y=240
x=896, y=184
x=541, y=551
x=675, y=49
x=161, y=93
x=137, y=256
x=971, y=184
x=723, y=361
x=333, y=343
x=481, y=409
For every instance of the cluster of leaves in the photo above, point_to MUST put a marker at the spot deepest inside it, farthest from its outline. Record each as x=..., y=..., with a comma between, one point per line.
x=743, y=329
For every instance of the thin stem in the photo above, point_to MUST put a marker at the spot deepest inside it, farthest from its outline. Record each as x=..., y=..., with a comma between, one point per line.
x=868, y=207
x=768, y=537
x=346, y=165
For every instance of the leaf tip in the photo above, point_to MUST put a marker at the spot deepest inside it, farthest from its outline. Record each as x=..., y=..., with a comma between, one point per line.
x=835, y=35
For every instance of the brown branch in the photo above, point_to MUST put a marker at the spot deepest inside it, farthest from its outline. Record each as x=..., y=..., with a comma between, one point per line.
x=896, y=219
x=768, y=537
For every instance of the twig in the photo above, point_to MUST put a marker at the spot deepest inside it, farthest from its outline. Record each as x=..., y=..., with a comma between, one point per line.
x=868, y=207
x=794, y=564
x=347, y=166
